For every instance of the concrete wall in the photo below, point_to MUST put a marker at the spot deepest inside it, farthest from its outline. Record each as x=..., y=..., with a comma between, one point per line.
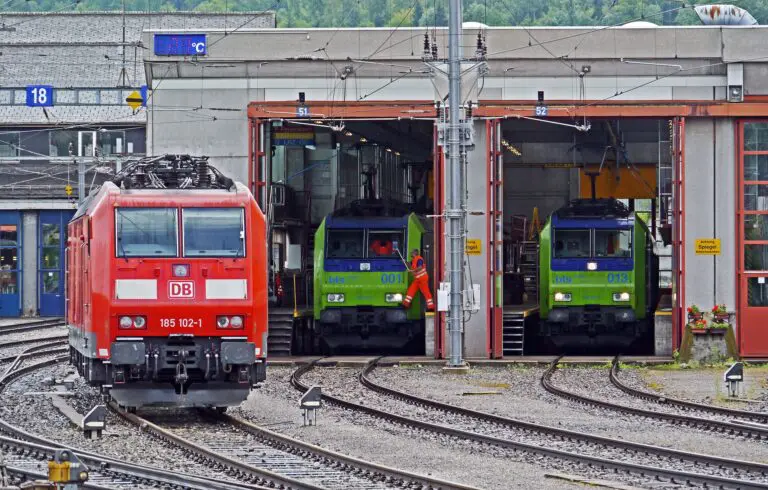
x=710, y=211
x=29, y=297
x=220, y=131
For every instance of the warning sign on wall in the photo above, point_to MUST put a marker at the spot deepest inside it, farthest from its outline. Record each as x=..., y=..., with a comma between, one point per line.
x=474, y=246
x=707, y=246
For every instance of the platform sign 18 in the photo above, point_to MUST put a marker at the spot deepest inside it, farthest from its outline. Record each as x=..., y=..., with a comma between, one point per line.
x=39, y=96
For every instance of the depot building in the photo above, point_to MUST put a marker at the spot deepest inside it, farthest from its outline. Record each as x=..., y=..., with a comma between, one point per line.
x=671, y=120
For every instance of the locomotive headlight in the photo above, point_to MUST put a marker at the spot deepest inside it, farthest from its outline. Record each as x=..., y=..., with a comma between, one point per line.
x=126, y=322
x=591, y=266
x=236, y=322
x=393, y=298
x=222, y=322
x=139, y=322
x=563, y=297
x=335, y=298
x=621, y=296
x=180, y=270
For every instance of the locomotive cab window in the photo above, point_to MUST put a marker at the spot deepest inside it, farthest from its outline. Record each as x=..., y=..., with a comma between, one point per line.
x=346, y=244
x=569, y=244
x=214, y=232
x=146, y=232
x=613, y=243
x=385, y=243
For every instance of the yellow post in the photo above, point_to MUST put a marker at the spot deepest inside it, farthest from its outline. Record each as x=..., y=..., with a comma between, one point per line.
x=295, y=307
x=534, y=224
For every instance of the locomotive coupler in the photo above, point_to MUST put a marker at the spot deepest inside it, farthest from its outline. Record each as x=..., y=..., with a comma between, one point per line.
x=181, y=369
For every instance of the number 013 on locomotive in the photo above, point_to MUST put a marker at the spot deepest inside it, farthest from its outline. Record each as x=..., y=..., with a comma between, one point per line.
x=167, y=286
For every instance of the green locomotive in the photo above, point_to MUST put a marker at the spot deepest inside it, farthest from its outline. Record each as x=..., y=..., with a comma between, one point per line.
x=360, y=277
x=598, y=281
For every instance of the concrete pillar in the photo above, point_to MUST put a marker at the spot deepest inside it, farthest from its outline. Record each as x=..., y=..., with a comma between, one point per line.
x=29, y=263
x=700, y=205
x=476, y=327
x=724, y=202
x=710, y=211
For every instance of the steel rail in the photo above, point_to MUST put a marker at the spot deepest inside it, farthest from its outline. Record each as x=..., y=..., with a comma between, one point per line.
x=717, y=425
x=563, y=434
x=30, y=326
x=240, y=469
x=105, y=464
x=14, y=343
x=369, y=470
x=594, y=461
x=685, y=404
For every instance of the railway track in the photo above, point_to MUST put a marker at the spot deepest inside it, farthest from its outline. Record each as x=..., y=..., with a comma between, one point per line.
x=566, y=445
x=758, y=417
x=250, y=451
x=737, y=428
x=17, y=343
x=25, y=451
x=31, y=326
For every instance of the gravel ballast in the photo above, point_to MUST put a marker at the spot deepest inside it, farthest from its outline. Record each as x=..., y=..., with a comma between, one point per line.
x=517, y=393
x=276, y=407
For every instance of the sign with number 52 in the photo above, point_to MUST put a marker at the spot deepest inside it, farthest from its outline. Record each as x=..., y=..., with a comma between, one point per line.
x=541, y=110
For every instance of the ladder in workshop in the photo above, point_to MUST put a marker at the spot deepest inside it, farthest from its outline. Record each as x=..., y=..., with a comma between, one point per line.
x=529, y=266
x=666, y=218
x=513, y=333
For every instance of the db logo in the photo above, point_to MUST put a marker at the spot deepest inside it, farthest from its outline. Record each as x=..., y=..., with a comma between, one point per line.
x=181, y=289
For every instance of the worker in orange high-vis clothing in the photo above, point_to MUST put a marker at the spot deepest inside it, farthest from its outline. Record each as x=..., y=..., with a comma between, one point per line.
x=420, y=281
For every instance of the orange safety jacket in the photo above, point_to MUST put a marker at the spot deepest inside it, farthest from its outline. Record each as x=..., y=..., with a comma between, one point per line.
x=418, y=268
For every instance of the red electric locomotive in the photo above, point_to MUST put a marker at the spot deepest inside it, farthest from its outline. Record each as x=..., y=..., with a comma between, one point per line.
x=167, y=286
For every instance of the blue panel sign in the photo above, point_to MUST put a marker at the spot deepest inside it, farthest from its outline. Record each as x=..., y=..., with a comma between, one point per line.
x=302, y=111
x=180, y=45
x=143, y=96
x=541, y=111
x=39, y=96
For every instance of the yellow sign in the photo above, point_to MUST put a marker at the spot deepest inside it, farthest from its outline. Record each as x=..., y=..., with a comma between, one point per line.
x=707, y=246
x=68, y=189
x=474, y=246
x=134, y=100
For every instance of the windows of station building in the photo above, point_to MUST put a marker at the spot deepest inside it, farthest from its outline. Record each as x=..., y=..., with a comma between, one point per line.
x=9, y=144
x=89, y=143
x=9, y=259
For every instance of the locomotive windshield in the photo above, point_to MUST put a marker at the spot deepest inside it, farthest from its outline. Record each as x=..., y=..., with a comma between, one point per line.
x=613, y=243
x=213, y=232
x=346, y=244
x=570, y=244
x=146, y=232
x=385, y=243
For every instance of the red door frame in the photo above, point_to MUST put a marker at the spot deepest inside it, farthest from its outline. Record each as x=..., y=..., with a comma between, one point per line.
x=494, y=238
x=678, y=230
x=257, y=170
x=742, y=275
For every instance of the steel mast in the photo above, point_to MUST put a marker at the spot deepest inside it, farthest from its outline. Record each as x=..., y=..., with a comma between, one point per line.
x=454, y=212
